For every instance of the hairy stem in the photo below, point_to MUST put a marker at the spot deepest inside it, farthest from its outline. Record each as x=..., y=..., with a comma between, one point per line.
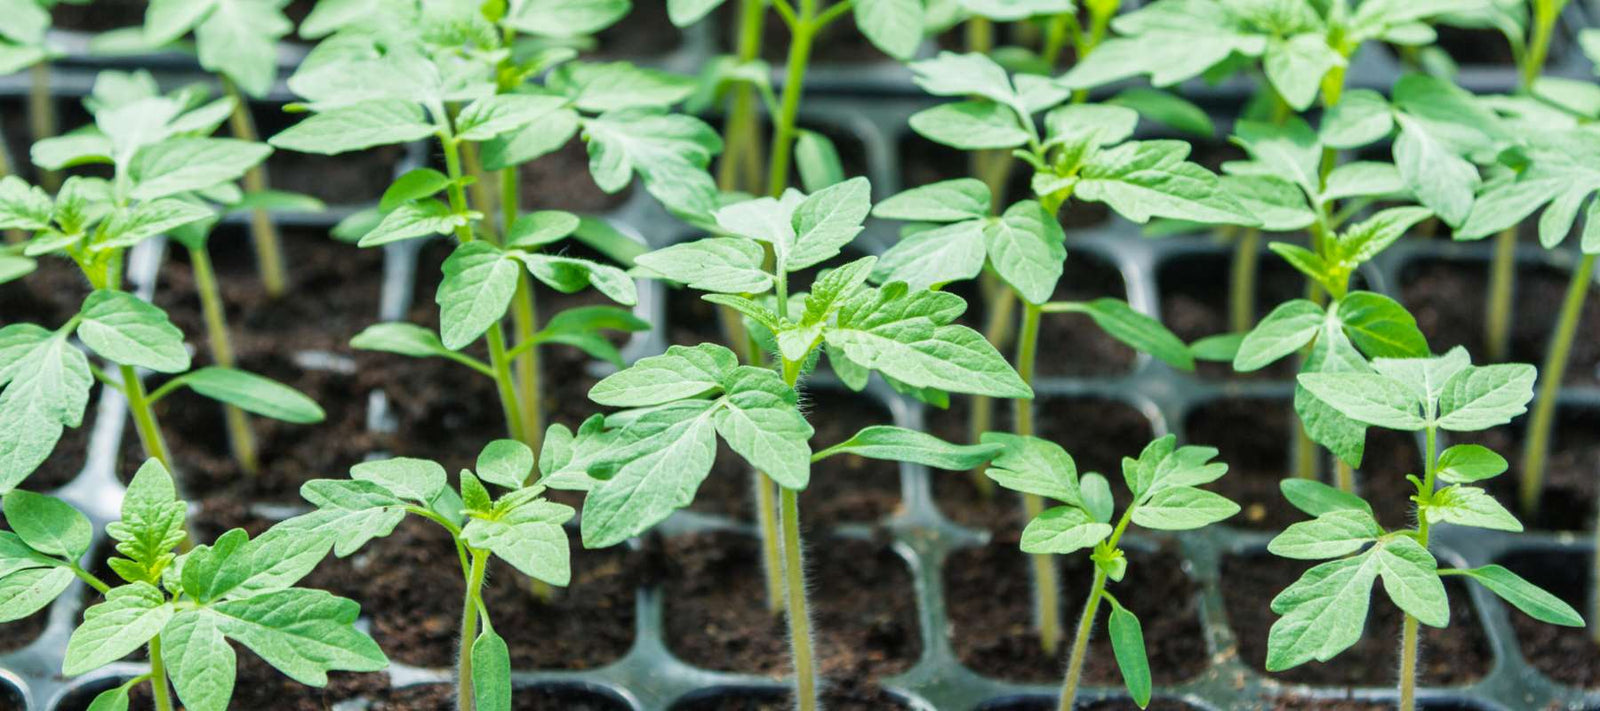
x=1242, y=291
x=783, y=132
x=240, y=437
x=1537, y=441
x=158, y=676
x=42, y=117
x=799, y=615
x=144, y=418
x=1047, y=613
x=1080, y=644
x=269, y=254
x=1502, y=288
x=1408, y=635
x=469, y=631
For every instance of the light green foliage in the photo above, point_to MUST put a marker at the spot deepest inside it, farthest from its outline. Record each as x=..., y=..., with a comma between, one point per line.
x=903, y=445
x=236, y=38
x=1164, y=482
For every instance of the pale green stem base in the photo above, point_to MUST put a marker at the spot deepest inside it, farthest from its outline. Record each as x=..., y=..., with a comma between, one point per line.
x=1408, y=665
x=740, y=167
x=771, y=549
x=1002, y=314
x=264, y=234
x=1537, y=441
x=1047, y=608
x=240, y=437
x=42, y=118
x=1502, y=288
x=799, y=616
x=158, y=676
x=12, y=236
x=469, y=632
x=1242, y=292
x=1080, y=644
x=1344, y=476
x=144, y=418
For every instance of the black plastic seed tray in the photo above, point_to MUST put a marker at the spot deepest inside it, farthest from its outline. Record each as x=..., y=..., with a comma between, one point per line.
x=650, y=677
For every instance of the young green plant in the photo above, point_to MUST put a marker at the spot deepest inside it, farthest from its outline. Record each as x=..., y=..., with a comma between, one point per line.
x=1325, y=611
x=641, y=464
x=23, y=45
x=519, y=527
x=186, y=609
x=1164, y=482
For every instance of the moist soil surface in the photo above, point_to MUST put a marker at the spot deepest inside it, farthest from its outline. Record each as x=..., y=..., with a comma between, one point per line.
x=1565, y=654
x=844, y=488
x=1448, y=299
x=1568, y=500
x=1098, y=433
x=1194, y=303
x=864, y=617
x=1456, y=655
x=989, y=594
x=259, y=686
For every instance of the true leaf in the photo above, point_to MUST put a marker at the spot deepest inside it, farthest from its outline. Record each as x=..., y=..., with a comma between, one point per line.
x=129, y=617
x=47, y=524
x=1465, y=463
x=1182, y=508
x=1127, y=644
x=899, y=444
x=1485, y=396
x=356, y=127
x=253, y=393
x=1329, y=535
x=1061, y=530
x=131, y=331
x=1286, y=330
x=1525, y=596
x=478, y=283
x=419, y=480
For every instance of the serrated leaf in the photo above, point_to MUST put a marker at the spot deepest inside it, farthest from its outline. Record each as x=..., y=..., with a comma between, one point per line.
x=679, y=373
x=1033, y=466
x=970, y=125
x=1469, y=506
x=129, y=617
x=419, y=480
x=128, y=330
x=529, y=537
x=505, y=462
x=1061, y=530
x=945, y=201
x=899, y=444
x=1181, y=508
x=356, y=127
x=1286, y=330
x=302, y=633
x=199, y=661
x=1026, y=247
x=1481, y=397
x=761, y=421
x=655, y=468
x=478, y=283
x=934, y=257
x=1329, y=535
x=1369, y=398
x=726, y=265
x=1145, y=179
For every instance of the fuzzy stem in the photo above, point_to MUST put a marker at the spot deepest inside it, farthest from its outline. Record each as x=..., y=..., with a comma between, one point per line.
x=1502, y=288
x=1047, y=612
x=799, y=616
x=1408, y=635
x=495, y=336
x=144, y=418
x=783, y=132
x=269, y=253
x=469, y=632
x=1537, y=442
x=1242, y=294
x=483, y=195
x=42, y=117
x=158, y=676
x=1080, y=644
x=240, y=437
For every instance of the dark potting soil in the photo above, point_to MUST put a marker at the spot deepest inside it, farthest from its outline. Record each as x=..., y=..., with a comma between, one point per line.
x=844, y=488
x=17, y=634
x=1448, y=299
x=18, y=138
x=410, y=584
x=561, y=180
x=1452, y=656
x=928, y=162
x=1097, y=433
x=989, y=594
x=863, y=618
x=1565, y=654
x=259, y=686
x=1045, y=703
x=836, y=697
x=1194, y=303
x=98, y=17
x=1255, y=438
x=1568, y=500
x=646, y=31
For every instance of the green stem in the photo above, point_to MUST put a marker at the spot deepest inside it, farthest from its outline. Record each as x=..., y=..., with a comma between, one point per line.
x=88, y=578
x=505, y=385
x=1047, y=612
x=1408, y=635
x=42, y=117
x=1002, y=314
x=269, y=253
x=1537, y=442
x=1545, y=13
x=158, y=676
x=740, y=167
x=144, y=418
x=799, y=616
x=240, y=437
x=1502, y=288
x=771, y=549
x=469, y=631
x=524, y=323
x=783, y=132
x=1242, y=294
x=1343, y=476
x=1080, y=644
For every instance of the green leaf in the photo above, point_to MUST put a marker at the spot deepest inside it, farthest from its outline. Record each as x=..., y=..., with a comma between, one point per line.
x=15, y=555
x=419, y=480
x=253, y=393
x=129, y=617
x=1324, y=612
x=684, y=13
x=239, y=39
x=1366, y=239
x=899, y=444
x=478, y=283
x=48, y=524
x=1026, y=248
x=1410, y=577
x=399, y=337
x=1380, y=326
x=1289, y=152
x=349, y=513
x=669, y=152
x=410, y=221
x=491, y=672
x=679, y=373
x=1368, y=398
x=302, y=633
x=970, y=125
x=1143, y=333
x=1062, y=530
x=817, y=160
x=1303, y=260
x=126, y=228
x=720, y=264
x=1330, y=535
x=1096, y=493
x=152, y=521
x=199, y=660
x=498, y=114
x=356, y=127
x=569, y=275
x=1221, y=348
x=761, y=421
x=1364, y=179
x=529, y=537
x=27, y=591
x=128, y=330
x=1316, y=498
x=1362, y=116
x=416, y=184
x=542, y=227
x=1296, y=65
x=945, y=201
x=1442, y=180
x=22, y=206
x=49, y=384
x=542, y=137
x=598, y=87
x=70, y=151
x=1181, y=508
x=180, y=165
x=1481, y=397
x=1170, y=41
x=935, y=257
x=113, y=699
x=1426, y=377
x=1033, y=466
x=1145, y=179
x=1465, y=463
x=825, y=222
x=906, y=336
x=1469, y=506
x=1286, y=330
x=658, y=463
x=504, y=462
x=566, y=18
x=1166, y=108
x=1280, y=205
x=894, y=26
x=1525, y=596
x=1127, y=644
x=581, y=327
